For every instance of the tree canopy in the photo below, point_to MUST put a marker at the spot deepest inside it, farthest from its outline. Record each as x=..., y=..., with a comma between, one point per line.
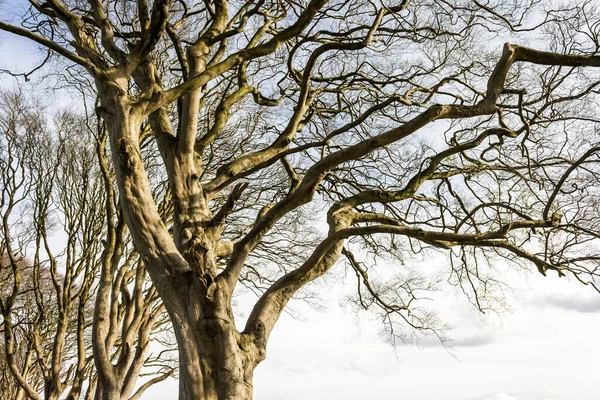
x=465, y=127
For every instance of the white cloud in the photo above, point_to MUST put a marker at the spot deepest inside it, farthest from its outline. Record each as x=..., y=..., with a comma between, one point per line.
x=501, y=396
x=571, y=302
x=505, y=396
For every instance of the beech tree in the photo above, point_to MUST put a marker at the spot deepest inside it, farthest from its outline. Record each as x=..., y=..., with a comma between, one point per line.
x=408, y=122
x=55, y=265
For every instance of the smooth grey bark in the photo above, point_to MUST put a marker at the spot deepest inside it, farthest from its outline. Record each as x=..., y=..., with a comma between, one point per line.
x=216, y=361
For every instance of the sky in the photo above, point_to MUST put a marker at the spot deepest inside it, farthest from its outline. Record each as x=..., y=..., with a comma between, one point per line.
x=545, y=349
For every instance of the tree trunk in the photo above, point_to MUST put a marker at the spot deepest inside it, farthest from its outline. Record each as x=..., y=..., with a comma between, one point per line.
x=106, y=390
x=222, y=369
x=216, y=362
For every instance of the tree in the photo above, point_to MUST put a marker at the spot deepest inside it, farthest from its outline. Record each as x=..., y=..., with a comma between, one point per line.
x=52, y=181
x=400, y=118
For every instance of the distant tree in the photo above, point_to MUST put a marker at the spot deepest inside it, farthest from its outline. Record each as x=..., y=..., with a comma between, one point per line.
x=401, y=119
x=53, y=189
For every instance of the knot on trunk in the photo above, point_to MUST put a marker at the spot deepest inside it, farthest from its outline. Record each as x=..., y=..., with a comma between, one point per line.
x=259, y=340
x=197, y=247
x=126, y=153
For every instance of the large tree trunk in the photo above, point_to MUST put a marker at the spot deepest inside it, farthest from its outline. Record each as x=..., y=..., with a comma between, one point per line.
x=215, y=360
x=222, y=363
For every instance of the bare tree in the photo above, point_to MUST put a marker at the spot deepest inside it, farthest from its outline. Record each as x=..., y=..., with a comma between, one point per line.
x=399, y=118
x=53, y=189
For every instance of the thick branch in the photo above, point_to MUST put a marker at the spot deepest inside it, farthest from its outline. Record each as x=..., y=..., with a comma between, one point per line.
x=52, y=46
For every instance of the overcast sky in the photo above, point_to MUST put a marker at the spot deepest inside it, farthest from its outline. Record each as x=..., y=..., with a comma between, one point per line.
x=546, y=349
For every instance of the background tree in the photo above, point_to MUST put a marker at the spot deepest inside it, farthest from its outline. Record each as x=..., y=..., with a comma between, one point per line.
x=400, y=119
x=53, y=251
